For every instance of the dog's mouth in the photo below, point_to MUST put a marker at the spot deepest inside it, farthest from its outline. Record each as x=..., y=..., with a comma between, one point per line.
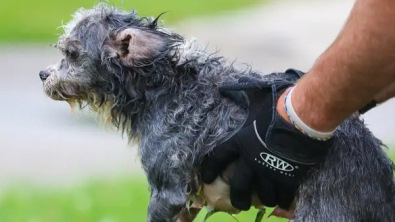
x=73, y=101
x=62, y=91
x=74, y=94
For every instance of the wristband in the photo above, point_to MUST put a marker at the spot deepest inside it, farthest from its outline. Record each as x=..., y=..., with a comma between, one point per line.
x=299, y=124
x=368, y=107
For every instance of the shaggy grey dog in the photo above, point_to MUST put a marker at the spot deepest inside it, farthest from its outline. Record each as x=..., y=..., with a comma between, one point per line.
x=162, y=92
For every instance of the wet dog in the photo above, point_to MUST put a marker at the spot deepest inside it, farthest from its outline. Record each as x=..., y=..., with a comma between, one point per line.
x=161, y=90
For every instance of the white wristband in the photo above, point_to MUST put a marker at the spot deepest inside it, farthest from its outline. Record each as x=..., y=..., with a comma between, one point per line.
x=299, y=124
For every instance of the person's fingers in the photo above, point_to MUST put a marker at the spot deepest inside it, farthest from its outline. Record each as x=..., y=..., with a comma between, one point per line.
x=286, y=197
x=266, y=190
x=216, y=161
x=241, y=185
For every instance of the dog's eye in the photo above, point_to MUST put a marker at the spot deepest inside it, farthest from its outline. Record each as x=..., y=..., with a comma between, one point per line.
x=72, y=54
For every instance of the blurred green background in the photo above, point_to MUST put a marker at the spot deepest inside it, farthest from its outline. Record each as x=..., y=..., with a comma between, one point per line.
x=23, y=20
x=60, y=167
x=100, y=200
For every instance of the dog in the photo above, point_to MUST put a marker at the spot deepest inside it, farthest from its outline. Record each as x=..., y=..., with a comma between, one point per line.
x=162, y=91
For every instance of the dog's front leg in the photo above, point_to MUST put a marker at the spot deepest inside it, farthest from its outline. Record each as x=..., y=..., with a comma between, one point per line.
x=165, y=205
x=168, y=173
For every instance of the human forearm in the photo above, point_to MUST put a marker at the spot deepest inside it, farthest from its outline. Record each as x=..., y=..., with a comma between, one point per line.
x=355, y=67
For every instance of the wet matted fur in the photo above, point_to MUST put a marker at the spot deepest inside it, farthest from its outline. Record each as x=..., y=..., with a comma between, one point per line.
x=161, y=90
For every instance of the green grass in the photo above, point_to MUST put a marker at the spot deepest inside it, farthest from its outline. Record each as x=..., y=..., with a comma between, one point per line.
x=98, y=201
x=117, y=200
x=37, y=20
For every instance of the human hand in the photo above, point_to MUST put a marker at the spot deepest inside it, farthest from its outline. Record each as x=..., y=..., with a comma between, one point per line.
x=271, y=156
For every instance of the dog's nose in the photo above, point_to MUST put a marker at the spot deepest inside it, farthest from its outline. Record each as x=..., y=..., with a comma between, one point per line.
x=44, y=75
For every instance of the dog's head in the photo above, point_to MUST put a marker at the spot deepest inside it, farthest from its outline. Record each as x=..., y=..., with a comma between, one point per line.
x=110, y=57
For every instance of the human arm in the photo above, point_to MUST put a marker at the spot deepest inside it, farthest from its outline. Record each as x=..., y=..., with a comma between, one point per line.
x=356, y=67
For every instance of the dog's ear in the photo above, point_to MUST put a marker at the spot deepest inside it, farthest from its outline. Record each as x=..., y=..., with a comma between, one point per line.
x=116, y=46
x=131, y=46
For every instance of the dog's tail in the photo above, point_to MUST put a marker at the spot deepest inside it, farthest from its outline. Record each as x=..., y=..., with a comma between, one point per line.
x=165, y=205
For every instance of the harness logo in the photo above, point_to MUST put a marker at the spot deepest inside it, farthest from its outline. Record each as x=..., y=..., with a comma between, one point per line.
x=276, y=162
